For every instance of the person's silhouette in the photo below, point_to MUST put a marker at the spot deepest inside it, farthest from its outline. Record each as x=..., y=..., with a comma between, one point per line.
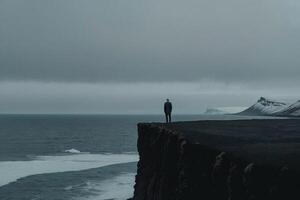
x=168, y=110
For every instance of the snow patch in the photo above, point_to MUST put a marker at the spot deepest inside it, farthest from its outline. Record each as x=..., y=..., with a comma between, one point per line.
x=268, y=106
x=265, y=106
x=292, y=110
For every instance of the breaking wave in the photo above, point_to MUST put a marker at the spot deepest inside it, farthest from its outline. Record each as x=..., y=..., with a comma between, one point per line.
x=60, y=163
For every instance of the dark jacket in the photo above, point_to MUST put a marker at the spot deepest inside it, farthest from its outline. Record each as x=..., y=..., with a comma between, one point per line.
x=168, y=107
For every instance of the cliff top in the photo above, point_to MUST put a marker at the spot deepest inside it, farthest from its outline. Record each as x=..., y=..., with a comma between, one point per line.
x=268, y=141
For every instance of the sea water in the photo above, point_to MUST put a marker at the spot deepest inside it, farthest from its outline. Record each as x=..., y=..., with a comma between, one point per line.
x=79, y=157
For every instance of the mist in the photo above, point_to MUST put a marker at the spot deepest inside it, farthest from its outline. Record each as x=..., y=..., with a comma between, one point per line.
x=116, y=56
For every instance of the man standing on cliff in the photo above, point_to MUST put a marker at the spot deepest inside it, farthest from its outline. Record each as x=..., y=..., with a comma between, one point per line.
x=168, y=110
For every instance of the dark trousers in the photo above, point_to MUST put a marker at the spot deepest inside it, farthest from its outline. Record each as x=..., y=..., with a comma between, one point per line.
x=168, y=117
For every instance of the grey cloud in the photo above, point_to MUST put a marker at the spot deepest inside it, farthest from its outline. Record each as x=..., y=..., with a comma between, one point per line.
x=130, y=98
x=148, y=41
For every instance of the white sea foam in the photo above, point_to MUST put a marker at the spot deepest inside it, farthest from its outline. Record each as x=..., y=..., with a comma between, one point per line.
x=72, y=151
x=117, y=188
x=12, y=170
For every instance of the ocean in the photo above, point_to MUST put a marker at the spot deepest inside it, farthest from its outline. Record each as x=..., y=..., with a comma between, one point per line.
x=77, y=157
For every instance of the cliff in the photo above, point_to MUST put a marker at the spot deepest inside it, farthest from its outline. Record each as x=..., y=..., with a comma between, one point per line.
x=219, y=160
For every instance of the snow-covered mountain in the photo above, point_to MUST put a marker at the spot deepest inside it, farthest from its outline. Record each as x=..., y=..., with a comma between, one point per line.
x=291, y=110
x=266, y=106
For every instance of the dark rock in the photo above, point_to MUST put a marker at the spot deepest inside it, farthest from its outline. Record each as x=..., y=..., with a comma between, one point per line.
x=235, y=181
x=219, y=160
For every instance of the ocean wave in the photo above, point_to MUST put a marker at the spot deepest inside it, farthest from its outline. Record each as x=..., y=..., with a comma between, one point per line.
x=72, y=151
x=117, y=188
x=11, y=171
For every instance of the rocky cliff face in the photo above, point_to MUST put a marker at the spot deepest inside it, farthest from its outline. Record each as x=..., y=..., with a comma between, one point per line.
x=172, y=167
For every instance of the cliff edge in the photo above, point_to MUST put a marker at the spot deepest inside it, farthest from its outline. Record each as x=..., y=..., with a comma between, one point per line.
x=219, y=160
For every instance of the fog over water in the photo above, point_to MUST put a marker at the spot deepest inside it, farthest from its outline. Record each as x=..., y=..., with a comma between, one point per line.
x=117, y=56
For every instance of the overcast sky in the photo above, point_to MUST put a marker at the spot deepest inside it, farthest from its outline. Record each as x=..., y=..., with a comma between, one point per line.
x=127, y=56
